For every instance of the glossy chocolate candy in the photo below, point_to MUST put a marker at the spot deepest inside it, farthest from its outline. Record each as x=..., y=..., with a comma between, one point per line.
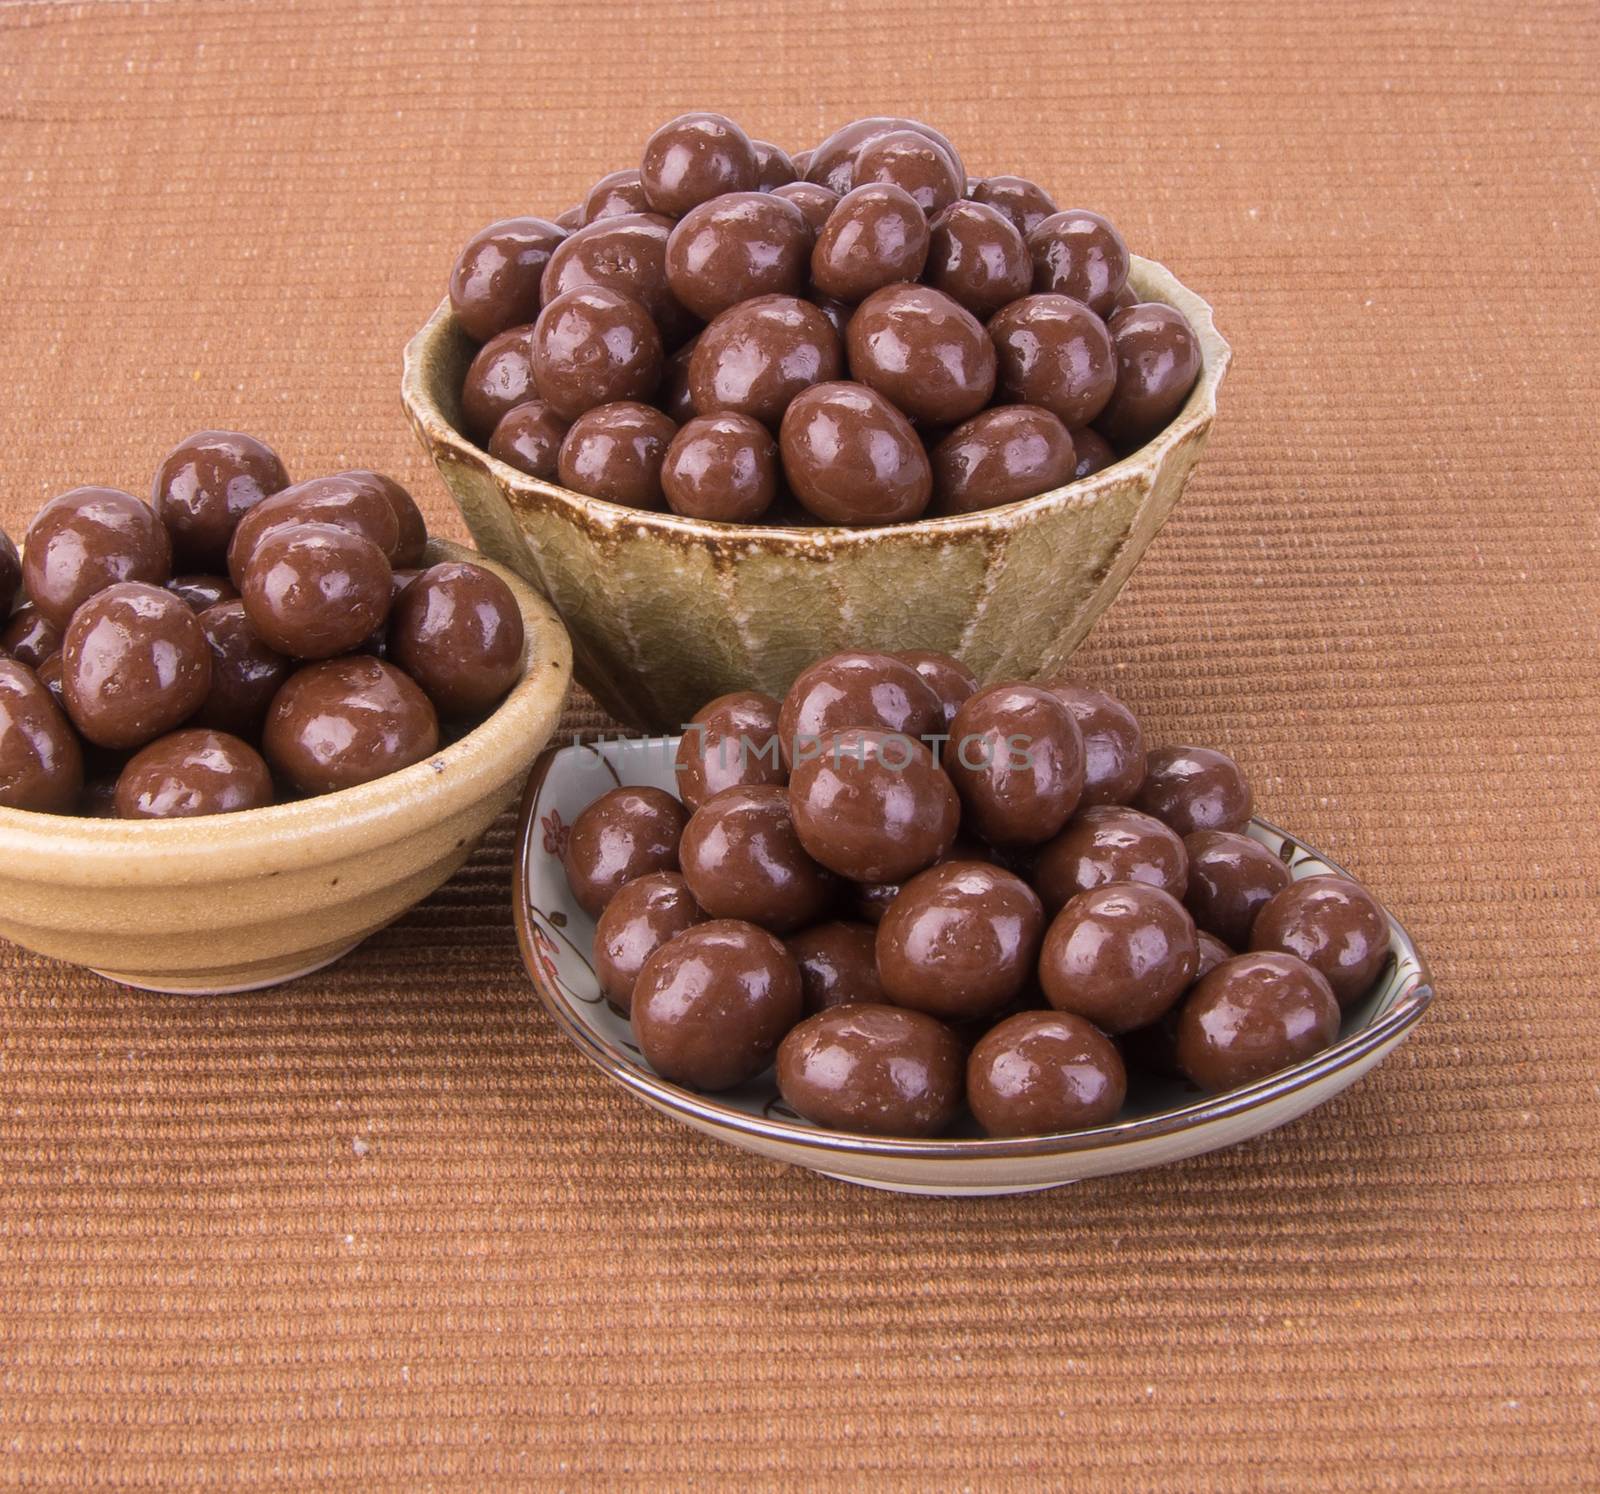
x=977, y=258
x=86, y=540
x=1195, y=788
x=1114, y=756
x=856, y=688
x=499, y=378
x=914, y=162
x=245, y=673
x=192, y=772
x=1231, y=877
x=1154, y=1047
x=644, y=915
x=851, y=458
x=1109, y=843
x=1040, y=1073
x=201, y=592
x=1094, y=453
x=457, y=631
x=625, y=833
x=594, y=347
x=1025, y=203
x=30, y=637
x=1015, y=756
x=694, y=158
x=838, y=965
x=615, y=451
x=722, y=467
x=947, y=677
x=832, y=163
x=10, y=575
x=1157, y=362
x=413, y=537
x=1055, y=352
x=626, y=254
x=1253, y=1015
x=754, y=359
x=529, y=438
x=494, y=285
x=736, y=247
x=347, y=500
x=672, y=397
x=1079, y=254
x=876, y=236
x=1334, y=925
x=923, y=352
x=1001, y=456
x=616, y=193
x=731, y=742
x=774, y=167
x=41, y=764
x=205, y=485
x=312, y=591
x=814, y=202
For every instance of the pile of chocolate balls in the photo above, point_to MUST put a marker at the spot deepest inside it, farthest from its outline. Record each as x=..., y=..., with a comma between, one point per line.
x=860, y=334
x=912, y=892
x=235, y=641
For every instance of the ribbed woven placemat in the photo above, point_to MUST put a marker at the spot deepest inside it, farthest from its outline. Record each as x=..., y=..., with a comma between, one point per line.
x=382, y=1227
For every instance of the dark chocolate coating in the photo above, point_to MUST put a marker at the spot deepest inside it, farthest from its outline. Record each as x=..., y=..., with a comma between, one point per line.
x=1157, y=363
x=914, y=162
x=625, y=833
x=1120, y=955
x=875, y=1069
x=86, y=540
x=1015, y=756
x=1079, y=254
x=1114, y=756
x=977, y=257
x=851, y=458
x=190, y=773
x=30, y=637
x=960, y=940
x=1154, y=1048
x=617, y=192
x=754, y=359
x=730, y=742
x=1334, y=925
x=877, y=235
x=245, y=673
x=1109, y=843
x=832, y=163
x=594, y=347
x=1251, y=1016
x=494, y=285
x=1195, y=788
x=529, y=438
x=774, y=168
x=499, y=378
x=1001, y=456
x=1025, y=203
x=948, y=678
x=1230, y=878
x=1094, y=453
x=815, y=202
x=735, y=247
x=742, y=858
x=626, y=254
x=615, y=452
x=722, y=467
x=346, y=500
x=694, y=158
x=314, y=590
x=873, y=806
x=854, y=688
x=838, y=965
x=837, y=312
x=457, y=631
x=1040, y=1073
x=10, y=575
x=205, y=485
x=1053, y=351
x=923, y=352
x=673, y=397
x=712, y=1004
x=41, y=764
x=643, y=915
x=200, y=592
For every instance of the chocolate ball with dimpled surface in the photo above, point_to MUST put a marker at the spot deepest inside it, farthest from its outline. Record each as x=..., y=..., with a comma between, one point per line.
x=1334, y=925
x=1024, y=202
x=346, y=500
x=643, y=916
x=1154, y=1047
x=856, y=688
x=1039, y=1073
x=529, y=438
x=594, y=347
x=625, y=833
x=876, y=236
x=1055, y=352
x=730, y=742
x=1157, y=363
x=457, y=631
x=1120, y=955
x=774, y=167
x=246, y=674
x=977, y=258
x=499, y=378
x=198, y=593
x=10, y=575
x=1251, y=1016
x=851, y=458
x=815, y=203
x=190, y=773
x=742, y=858
x=694, y=158
x=755, y=358
x=838, y=964
x=1114, y=756
x=712, y=1004
x=626, y=254
x=1195, y=788
x=876, y=1069
x=1001, y=456
x=616, y=193
x=873, y=806
x=205, y=485
x=1231, y=877
x=736, y=247
x=1094, y=453
x=923, y=352
x=832, y=163
x=722, y=467
x=1110, y=843
x=135, y=664
x=41, y=764
x=1079, y=254
x=915, y=163
x=947, y=677
x=314, y=590
x=615, y=452
x=960, y=940
x=1016, y=758
x=86, y=540
x=30, y=637
x=494, y=284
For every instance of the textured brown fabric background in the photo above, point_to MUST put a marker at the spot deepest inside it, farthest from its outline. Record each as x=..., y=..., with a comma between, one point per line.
x=382, y=1228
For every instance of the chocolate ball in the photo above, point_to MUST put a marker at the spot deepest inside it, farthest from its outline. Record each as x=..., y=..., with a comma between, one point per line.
x=948, y=678
x=735, y=247
x=1015, y=756
x=832, y=163
x=837, y=312
x=49, y=675
x=915, y=163
x=1157, y=362
x=626, y=254
x=351, y=501
x=190, y=773
x=1195, y=788
x=529, y=438
x=499, y=378
x=1079, y=254
x=712, y=1004
x=871, y=900
x=848, y=689
x=198, y=593
x=314, y=590
x=413, y=536
x=874, y=1069
x=568, y=220
x=731, y=742
x=774, y=168
x=1119, y=955
x=615, y=452
x=615, y=193
x=851, y=458
x=494, y=285
x=205, y=485
x=594, y=347
x=1114, y=756
x=41, y=764
x=1154, y=1048
x=754, y=359
x=1025, y=203
x=457, y=631
x=1001, y=456
x=1108, y=843
x=245, y=673
x=922, y=352
x=86, y=540
x=960, y=940
x=10, y=575
x=644, y=915
x=1055, y=352
x=722, y=467
x=1334, y=925
x=694, y=158
x=1230, y=878
x=838, y=965
x=1040, y=1073
x=877, y=235
x=30, y=637
x=673, y=398
x=625, y=833
x=815, y=203
x=1253, y=1015
x=742, y=858
x=977, y=258
x=1094, y=453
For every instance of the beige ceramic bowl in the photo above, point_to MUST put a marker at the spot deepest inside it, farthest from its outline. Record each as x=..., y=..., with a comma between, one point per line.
x=236, y=902
x=666, y=612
